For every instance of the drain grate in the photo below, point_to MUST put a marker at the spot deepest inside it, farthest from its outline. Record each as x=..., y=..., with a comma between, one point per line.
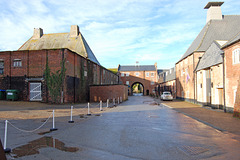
x=190, y=150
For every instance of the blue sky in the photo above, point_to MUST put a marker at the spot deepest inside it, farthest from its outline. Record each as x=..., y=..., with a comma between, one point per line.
x=118, y=32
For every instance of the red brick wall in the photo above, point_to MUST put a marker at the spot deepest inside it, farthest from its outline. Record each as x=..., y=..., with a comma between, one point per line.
x=142, y=78
x=185, y=89
x=76, y=85
x=232, y=72
x=104, y=92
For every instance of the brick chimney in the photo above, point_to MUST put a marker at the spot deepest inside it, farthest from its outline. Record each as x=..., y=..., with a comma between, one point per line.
x=74, y=32
x=155, y=64
x=214, y=11
x=38, y=32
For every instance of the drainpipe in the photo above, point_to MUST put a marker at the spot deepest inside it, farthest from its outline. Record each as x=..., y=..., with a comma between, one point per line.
x=224, y=101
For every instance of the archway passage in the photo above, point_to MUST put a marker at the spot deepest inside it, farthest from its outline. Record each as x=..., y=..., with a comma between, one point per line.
x=137, y=89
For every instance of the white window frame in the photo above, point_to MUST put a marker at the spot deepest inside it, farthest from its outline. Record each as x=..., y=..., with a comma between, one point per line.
x=147, y=74
x=137, y=74
x=234, y=96
x=17, y=63
x=236, y=56
x=152, y=82
x=2, y=67
x=122, y=74
x=127, y=82
x=127, y=74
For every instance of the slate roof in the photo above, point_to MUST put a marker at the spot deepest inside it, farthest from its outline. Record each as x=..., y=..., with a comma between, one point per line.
x=167, y=76
x=233, y=40
x=61, y=40
x=223, y=29
x=211, y=57
x=171, y=76
x=137, y=68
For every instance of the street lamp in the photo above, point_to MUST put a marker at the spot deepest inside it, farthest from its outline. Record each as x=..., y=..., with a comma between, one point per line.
x=221, y=52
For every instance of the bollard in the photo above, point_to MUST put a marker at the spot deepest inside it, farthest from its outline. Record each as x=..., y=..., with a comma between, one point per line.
x=53, y=129
x=89, y=114
x=107, y=102
x=71, y=120
x=101, y=106
x=118, y=100
x=6, y=150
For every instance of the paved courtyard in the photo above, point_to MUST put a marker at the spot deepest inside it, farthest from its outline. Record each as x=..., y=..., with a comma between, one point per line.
x=139, y=128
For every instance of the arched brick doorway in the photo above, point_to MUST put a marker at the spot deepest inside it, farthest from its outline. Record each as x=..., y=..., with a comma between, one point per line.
x=137, y=89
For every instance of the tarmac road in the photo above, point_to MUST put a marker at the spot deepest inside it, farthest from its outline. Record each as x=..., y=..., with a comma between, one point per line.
x=136, y=129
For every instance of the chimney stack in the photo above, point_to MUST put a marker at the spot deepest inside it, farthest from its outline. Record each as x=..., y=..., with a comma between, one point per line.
x=38, y=32
x=214, y=11
x=74, y=32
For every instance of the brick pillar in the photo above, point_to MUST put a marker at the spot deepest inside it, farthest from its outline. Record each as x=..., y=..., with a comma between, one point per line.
x=236, y=112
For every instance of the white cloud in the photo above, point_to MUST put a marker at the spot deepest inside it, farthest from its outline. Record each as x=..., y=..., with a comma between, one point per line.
x=116, y=31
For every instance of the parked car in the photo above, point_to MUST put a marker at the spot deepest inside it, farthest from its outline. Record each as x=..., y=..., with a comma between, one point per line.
x=167, y=96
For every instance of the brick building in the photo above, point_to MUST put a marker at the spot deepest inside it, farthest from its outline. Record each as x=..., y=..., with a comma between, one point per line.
x=146, y=75
x=209, y=77
x=206, y=88
x=167, y=81
x=24, y=69
x=231, y=52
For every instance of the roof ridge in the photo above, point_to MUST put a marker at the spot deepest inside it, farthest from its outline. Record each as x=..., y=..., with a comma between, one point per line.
x=56, y=33
x=230, y=40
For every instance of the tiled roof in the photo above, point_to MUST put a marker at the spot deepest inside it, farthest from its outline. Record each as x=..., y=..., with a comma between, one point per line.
x=211, y=57
x=137, y=68
x=223, y=29
x=61, y=40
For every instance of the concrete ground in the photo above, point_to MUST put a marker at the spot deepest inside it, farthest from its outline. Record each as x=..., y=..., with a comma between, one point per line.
x=212, y=117
x=140, y=128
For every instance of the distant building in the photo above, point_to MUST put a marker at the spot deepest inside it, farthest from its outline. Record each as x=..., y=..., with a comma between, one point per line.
x=24, y=69
x=146, y=75
x=167, y=81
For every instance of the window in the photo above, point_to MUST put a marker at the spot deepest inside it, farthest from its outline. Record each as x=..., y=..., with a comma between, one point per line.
x=85, y=73
x=152, y=74
x=137, y=73
x=234, y=96
x=122, y=74
x=127, y=74
x=17, y=63
x=236, y=56
x=182, y=72
x=147, y=74
x=152, y=82
x=1, y=67
x=127, y=82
